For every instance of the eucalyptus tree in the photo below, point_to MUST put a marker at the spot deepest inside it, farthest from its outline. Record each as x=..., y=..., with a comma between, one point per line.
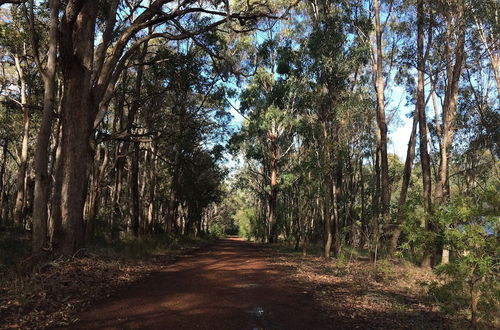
x=194, y=122
x=90, y=75
x=269, y=103
x=339, y=53
x=15, y=44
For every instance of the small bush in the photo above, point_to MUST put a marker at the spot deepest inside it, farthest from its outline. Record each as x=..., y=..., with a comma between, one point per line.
x=470, y=279
x=248, y=223
x=217, y=230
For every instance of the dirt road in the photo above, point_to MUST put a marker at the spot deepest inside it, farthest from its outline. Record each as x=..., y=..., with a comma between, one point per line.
x=230, y=285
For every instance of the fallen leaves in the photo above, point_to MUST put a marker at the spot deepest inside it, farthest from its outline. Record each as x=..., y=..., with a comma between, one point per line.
x=58, y=290
x=359, y=295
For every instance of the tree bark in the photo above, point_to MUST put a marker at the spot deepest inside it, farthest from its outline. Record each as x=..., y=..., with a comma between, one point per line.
x=410, y=156
x=41, y=193
x=422, y=123
x=23, y=161
x=55, y=224
x=381, y=120
x=375, y=230
x=152, y=190
x=95, y=191
x=134, y=162
x=442, y=191
x=3, y=220
x=449, y=107
x=327, y=193
x=76, y=49
x=273, y=194
x=134, y=189
x=116, y=194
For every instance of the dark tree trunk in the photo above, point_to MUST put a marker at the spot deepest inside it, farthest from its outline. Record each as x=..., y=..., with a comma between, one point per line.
x=95, y=191
x=3, y=220
x=55, y=224
x=134, y=189
x=78, y=114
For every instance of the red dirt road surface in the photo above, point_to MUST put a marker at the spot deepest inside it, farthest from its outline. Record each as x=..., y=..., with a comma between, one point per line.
x=230, y=285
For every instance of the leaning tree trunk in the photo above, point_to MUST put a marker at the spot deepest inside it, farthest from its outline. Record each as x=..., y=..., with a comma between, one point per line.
x=76, y=49
x=410, y=156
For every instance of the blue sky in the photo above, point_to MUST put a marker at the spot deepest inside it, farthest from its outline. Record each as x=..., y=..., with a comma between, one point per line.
x=399, y=128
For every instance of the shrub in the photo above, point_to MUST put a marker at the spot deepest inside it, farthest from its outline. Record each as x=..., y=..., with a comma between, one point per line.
x=470, y=279
x=247, y=222
x=217, y=230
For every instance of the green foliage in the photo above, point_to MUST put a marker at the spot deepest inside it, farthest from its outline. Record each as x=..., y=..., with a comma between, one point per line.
x=247, y=221
x=471, y=277
x=217, y=230
x=416, y=237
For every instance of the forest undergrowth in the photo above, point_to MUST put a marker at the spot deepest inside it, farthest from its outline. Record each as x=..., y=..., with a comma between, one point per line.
x=358, y=294
x=45, y=291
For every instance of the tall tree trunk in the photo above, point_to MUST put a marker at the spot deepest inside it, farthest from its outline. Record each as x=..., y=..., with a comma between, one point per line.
x=442, y=191
x=3, y=220
x=119, y=155
x=134, y=162
x=327, y=193
x=116, y=194
x=95, y=191
x=41, y=193
x=78, y=114
x=273, y=194
x=375, y=230
x=381, y=120
x=449, y=107
x=23, y=161
x=55, y=225
x=152, y=190
x=363, y=203
x=422, y=123
x=134, y=189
